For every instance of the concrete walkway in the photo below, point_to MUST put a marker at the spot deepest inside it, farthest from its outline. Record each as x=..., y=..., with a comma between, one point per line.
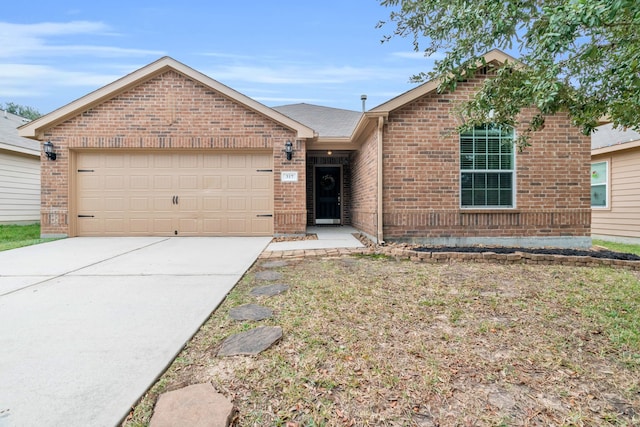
x=329, y=237
x=88, y=324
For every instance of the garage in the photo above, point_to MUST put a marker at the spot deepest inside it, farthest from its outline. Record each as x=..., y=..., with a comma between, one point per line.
x=180, y=193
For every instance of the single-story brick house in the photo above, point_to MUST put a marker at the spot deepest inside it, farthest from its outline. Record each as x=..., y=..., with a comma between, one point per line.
x=19, y=173
x=615, y=184
x=167, y=150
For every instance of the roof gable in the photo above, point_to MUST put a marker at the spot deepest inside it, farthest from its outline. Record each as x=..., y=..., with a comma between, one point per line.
x=496, y=56
x=35, y=128
x=9, y=138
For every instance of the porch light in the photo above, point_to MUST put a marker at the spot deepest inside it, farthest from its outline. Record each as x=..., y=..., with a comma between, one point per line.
x=288, y=148
x=48, y=150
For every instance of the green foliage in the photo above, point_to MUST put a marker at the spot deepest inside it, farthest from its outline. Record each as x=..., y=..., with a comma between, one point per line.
x=619, y=247
x=581, y=56
x=21, y=110
x=16, y=236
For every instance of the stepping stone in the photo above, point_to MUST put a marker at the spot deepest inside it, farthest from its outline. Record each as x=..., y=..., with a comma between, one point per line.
x=197, y=405
x=250, y=312
x=269, y=291
x=274, y=264
x=268, y=275
x=251, y=342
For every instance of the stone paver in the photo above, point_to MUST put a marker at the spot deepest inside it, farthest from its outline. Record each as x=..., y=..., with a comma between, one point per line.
x=250, y=312
x=269, y=290
x=197, y=405
x=251, y=342
x=268, y=275
x=274, y=264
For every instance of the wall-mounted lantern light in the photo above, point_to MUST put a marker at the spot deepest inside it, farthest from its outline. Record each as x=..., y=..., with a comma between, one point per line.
x=288, y=148
x=48, y=150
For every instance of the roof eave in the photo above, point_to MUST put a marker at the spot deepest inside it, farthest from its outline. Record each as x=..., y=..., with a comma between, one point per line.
x=401, y=100
x=616, y=147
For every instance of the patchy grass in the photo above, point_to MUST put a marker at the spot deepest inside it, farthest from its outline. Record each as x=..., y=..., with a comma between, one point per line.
x=373, y=341
x=618, y=247
x=16, y=236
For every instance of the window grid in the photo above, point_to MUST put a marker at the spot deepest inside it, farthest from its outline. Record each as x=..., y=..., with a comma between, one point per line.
x=486, y=163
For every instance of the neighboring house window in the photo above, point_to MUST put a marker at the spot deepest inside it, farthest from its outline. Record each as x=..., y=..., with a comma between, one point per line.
x=599, y=185
x=487, y=167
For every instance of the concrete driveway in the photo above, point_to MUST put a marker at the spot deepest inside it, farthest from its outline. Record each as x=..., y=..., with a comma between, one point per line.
x=88, y=324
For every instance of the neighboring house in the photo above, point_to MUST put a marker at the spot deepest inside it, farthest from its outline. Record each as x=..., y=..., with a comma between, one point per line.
x=167, y=150
x=19, y=173
x=615, y=185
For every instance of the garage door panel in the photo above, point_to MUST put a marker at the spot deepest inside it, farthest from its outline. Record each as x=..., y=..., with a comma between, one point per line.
x=114, y=204
x=212, y=182
x=237, y=204
x=260, y=204
x=163, y=182
x=112, y=182
x=212, y=194
x=261, y=182
x=188, y=182
x=261, y=226
x=140, y=204
x=237, y=182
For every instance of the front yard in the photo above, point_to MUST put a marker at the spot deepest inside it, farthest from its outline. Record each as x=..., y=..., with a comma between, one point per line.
x=373, y=341
x=16, y=236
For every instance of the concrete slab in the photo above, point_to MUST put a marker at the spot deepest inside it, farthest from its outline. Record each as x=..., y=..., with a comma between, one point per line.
x=81, y=348
x=66, y=255
x=168, y=257
x=328, y=238
x=10, y=284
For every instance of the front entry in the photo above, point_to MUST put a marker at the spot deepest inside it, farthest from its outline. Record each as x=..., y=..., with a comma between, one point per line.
x=328, y=191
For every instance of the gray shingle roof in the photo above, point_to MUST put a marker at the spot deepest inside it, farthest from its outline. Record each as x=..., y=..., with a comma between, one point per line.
x=326, y=121
x=607, y=136
x=9, y=134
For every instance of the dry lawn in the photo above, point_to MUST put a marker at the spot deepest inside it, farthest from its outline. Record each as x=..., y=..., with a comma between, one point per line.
x=371, y=341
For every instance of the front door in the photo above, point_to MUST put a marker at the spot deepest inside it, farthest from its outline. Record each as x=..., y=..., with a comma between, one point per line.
x=328, y=189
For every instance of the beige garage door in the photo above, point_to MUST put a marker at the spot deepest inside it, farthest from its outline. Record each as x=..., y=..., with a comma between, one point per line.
x=174, y=194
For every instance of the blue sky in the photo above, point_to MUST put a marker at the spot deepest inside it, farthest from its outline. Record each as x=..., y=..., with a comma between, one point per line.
x=324, y=52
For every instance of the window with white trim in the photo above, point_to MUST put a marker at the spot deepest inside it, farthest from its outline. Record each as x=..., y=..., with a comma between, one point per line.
x=487, y=167
x=599, y=185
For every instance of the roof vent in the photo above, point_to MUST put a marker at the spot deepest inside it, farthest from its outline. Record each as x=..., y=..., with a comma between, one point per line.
x=363, y=98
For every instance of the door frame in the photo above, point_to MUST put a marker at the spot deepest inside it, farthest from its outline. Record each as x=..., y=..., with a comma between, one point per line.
x=341, y=189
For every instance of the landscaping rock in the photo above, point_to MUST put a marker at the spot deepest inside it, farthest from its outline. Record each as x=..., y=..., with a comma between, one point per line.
x=251, y=342
x=250, y=312
x=274, y=264
x=269, y=291
x=197, y=405
x=268, y=275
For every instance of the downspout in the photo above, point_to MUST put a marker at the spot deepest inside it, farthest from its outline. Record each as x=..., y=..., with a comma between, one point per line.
x=380, y=236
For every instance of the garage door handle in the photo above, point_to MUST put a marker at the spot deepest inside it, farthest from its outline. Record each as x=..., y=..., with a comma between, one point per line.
x=264, y=170
x=265, y=216
x=174, y=200
x=86, y=216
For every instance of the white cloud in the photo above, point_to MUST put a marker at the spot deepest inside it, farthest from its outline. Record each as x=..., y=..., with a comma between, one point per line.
x=417, y=55
x=35, y=40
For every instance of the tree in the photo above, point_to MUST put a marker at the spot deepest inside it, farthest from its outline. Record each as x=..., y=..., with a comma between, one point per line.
x=577, y=56
x=22, y=110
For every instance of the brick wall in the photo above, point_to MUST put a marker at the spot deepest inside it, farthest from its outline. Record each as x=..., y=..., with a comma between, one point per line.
x=170, y=112
x=364, y=193
x=422, y=175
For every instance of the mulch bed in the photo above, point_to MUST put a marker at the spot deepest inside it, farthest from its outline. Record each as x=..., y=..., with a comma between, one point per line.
x=605, y=254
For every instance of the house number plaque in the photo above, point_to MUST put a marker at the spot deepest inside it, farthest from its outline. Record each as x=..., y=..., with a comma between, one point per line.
x=289, y=176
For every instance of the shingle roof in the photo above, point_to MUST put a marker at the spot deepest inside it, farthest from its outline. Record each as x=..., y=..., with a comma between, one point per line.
x=9, y=138
x=607, y=136
x=326, y=121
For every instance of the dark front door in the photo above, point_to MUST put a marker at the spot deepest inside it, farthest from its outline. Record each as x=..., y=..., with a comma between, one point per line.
x=328, y=189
